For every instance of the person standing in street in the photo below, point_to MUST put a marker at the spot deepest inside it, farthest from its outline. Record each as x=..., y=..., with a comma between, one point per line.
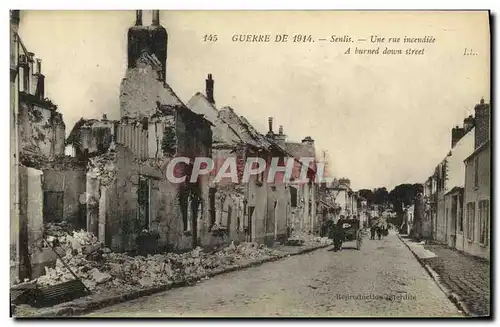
x=339, y=234
x=372, y=232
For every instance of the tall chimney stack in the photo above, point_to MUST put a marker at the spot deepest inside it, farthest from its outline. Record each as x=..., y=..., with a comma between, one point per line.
x=156, y=17
x=14, y=17
x=270, y=133
x=456, y=135
x=138, y=18
x=280, y=138
x=468, y=124
x=209, y=89
x=482, y=123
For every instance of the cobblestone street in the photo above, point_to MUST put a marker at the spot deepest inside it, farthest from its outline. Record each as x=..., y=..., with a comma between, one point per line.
x=382, y=279
x=466, y=276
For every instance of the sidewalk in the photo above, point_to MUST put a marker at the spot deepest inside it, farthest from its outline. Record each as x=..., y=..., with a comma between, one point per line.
x=97, y=301
x=464, y=278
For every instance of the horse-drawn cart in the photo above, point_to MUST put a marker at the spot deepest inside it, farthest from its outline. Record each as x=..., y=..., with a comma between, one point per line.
x=352, y=232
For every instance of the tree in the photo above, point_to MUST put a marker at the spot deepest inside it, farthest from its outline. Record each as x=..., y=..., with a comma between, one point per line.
x=404, y=195
x=381, y=196
x=368, y=195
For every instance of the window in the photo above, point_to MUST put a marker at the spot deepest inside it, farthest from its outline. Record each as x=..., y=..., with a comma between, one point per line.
x=293, y=197
x=476, y=172
x=460, y=213
x=471, y=211
x=484, y=220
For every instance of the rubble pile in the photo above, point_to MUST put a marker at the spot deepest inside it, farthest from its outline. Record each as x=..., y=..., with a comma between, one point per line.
x=100, y=269
x=39, y=161
x=307, y=239
x=248, y=250
x=58, y=229
x=104, y=167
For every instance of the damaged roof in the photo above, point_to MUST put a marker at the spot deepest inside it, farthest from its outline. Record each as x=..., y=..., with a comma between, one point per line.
x=75, y=132
x=300, y=150
x=200, y=105
x=247, y=133
x=222, y=132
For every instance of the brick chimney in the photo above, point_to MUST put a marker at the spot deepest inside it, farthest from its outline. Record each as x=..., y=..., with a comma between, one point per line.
x=280, y=137
x=456, y=135
x=14, y=17
x=270, y=133
x=482, y=123
x=138, y=18
x=468, y=124
x=40, y=81
x=209, y=89
x=156, y=17
x=152, y=39
x=138, y=40
x=159, y=41
x=345, y=181
x=308, y=140
x=24, y=69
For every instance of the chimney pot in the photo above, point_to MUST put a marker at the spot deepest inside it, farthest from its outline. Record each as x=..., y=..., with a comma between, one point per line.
x=104, y=117
x=39, y=66
x=270, y=124
x=281, y=130
x=156, y=17
x=14, y=16
x=138, y=18
x=209, y=89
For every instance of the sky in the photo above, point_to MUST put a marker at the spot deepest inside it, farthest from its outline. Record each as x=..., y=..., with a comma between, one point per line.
x=382, y=120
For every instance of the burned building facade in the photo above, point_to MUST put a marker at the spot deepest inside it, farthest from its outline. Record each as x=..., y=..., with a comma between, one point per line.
x=130, y=202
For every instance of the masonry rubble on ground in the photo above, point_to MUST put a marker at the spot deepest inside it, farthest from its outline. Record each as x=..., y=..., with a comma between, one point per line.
x=92, y=195
x=100, y=269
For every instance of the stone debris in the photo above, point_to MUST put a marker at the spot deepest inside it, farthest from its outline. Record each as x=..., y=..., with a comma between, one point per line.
x=101, y=269
x=38, y=161
x=299, y=238
x=104, y=167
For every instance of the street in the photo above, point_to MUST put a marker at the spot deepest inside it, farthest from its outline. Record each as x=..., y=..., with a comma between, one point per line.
x=382, y=279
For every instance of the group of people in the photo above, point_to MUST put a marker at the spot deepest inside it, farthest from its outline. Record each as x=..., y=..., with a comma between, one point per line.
x=380, y=229
x=337, y=233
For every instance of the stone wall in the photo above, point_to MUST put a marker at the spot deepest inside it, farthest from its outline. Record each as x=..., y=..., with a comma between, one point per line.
x=41, y=130
x=72, y=185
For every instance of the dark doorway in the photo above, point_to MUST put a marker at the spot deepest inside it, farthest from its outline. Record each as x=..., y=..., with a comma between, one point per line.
x=249, y=219
x=229, y=213
x=293, y=197
x=53, y=204
x=211, y=196
x=143, y=195
x=195, y=210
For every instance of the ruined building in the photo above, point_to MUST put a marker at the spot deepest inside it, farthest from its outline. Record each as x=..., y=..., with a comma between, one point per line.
x=304, y=196
x=46, y=185
x=130, y=202
x=253, y=211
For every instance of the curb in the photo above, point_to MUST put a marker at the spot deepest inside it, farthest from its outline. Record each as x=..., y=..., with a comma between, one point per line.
x=76, y=310
x=454, y=298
